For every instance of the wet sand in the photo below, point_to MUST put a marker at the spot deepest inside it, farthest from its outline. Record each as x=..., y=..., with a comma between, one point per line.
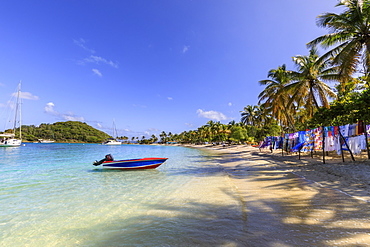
x=291, y=202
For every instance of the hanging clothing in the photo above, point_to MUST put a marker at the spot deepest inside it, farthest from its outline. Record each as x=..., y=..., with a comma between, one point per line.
x=309, y=140
x=352, y=129
x=330, y=143
x=356, y=143
x=338, y=144
x=318, y=139
x=344, y=130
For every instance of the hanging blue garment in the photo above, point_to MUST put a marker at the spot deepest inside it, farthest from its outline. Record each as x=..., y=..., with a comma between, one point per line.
x=309, y=141
x=297, y=147
x=301, y=136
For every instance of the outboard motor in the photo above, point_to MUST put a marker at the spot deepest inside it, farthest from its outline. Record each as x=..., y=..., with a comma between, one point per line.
x=108, y=157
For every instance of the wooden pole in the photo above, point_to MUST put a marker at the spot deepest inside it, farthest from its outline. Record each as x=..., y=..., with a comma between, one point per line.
x=323, y=144
x=367, y=142
x=313, y=145
x=345, y=142
x=282, y=146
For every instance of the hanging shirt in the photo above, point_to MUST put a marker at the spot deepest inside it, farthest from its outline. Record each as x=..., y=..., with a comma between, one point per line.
x=329, y=143
x=352, y=129
x=344, y=130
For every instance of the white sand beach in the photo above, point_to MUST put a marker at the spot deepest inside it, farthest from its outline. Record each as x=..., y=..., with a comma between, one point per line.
x=352, y=177
x=292, y=202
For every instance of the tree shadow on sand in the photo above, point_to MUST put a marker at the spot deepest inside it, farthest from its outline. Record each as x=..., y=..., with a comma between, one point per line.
x=289, y=223
x=274, y=207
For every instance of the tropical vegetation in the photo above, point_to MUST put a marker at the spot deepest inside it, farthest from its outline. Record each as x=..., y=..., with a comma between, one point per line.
x=291, y=100
x=298, y=99
x=70, y=131
x=302, y=99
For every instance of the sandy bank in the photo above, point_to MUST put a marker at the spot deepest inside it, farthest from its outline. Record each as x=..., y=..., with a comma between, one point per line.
x=349, y=177
x=292, y=202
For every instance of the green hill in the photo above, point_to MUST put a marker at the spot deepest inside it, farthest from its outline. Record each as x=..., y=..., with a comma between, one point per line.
x=70, y=131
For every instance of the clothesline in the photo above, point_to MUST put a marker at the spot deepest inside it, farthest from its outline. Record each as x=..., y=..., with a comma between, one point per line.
x=322, y=138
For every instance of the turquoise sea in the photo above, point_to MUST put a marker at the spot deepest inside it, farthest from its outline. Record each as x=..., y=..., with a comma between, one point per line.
x=52, y=195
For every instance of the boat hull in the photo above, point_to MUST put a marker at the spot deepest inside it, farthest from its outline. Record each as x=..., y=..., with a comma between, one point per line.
x=112, y=142
x=134, y=164
x=11, y=143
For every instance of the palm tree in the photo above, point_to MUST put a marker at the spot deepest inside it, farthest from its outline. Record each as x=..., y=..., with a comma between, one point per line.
x=154, y=138
x=163, y=137
x=350, y=34
x=249, y=114
x=276, y=97
x=308, y=87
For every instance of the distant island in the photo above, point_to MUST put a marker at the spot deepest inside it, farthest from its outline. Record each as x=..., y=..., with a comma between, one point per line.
x=63, y=132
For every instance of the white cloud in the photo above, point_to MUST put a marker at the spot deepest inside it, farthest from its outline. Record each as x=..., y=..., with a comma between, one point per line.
x=230, y=104
x=49, y=109
x=139, y=106
x=72, y=118
x=185, y=49
x=213, y=115
x=81, y=43
x=98, y=60
x=189, y=125
x=169, y=98
x=97, y=72
x=25, y=95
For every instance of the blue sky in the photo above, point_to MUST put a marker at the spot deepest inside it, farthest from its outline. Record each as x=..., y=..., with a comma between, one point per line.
x=151, y=65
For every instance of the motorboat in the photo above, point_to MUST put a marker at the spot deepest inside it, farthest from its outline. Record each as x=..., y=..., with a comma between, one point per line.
x=131, y=164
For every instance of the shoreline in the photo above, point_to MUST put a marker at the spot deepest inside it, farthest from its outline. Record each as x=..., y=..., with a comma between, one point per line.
x=351, y=177
x=297, y=202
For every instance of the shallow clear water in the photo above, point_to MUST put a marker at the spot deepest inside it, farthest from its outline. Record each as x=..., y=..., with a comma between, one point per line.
x=52, y=195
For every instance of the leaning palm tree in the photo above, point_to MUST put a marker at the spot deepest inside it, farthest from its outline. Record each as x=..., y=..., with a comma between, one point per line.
x=350, y=36
x=276, y=97
x=308, y=86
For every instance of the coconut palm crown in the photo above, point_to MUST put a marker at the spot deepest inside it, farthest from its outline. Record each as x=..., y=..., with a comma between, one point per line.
x=309, y=88
x=349, y=34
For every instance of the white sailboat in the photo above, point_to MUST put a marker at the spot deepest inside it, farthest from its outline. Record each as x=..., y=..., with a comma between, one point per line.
x=112, y=141
x=8, y=139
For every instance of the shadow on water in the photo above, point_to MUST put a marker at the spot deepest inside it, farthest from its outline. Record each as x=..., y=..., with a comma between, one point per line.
x=165, y=225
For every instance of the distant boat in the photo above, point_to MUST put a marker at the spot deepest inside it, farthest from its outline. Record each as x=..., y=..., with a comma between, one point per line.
x=9, y=140
x=130, y=164
x=112, y=141
x=45, y=141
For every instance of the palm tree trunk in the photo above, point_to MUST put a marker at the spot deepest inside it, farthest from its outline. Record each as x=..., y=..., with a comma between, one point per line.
x=313, y=95
x=288, y=118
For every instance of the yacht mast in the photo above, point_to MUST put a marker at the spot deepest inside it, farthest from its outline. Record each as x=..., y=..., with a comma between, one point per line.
x=20, y=112
x=17, y=108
